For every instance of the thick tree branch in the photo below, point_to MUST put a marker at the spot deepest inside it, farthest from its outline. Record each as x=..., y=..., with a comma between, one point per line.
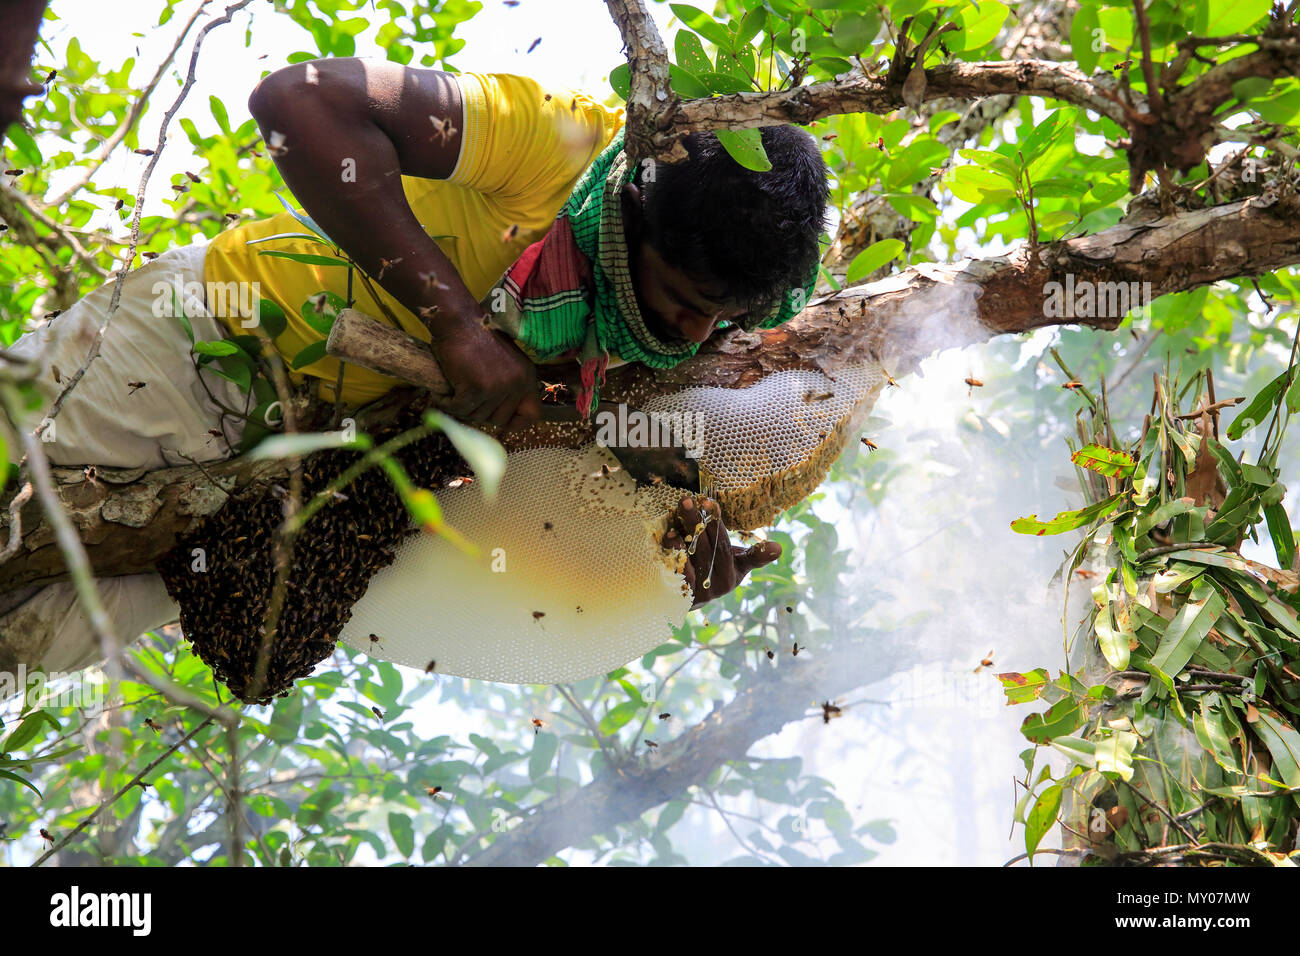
x=622, y=794
x=650, y=97
x=865, y=94
x=901, y=319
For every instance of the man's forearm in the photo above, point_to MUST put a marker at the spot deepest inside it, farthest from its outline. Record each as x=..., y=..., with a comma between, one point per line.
x=347, y=173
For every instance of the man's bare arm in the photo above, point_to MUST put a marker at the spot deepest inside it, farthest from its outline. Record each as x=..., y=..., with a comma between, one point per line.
x=343, y=132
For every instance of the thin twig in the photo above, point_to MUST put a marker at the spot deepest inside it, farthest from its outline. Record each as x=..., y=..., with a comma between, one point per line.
x=128, y=122
x=16, y=521
x=109, y=801
x=138, y=212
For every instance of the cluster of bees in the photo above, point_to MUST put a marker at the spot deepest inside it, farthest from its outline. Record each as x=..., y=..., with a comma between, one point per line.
x=224, y=608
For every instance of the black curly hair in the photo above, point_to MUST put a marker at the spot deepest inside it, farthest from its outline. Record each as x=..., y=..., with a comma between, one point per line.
x=754, y=235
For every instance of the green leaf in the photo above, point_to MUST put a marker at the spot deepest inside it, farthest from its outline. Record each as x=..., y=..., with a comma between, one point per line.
x=1085, y=30
x=543, y=755
x=702, y=23
x=305, y=258
x=1067, y=520
x=9, y=775
x=240, y=375
x=915, y=208
x=179, y=312
x=483, y=452
x=305, y=219
x=1216, y=18
x=399, y=825
x=618, y=716
x=992, y=160
x=1022, y=688
x=271, y=318
x=1279, y=530
x=298, y=444
x=975, y=184
x=1061, y=719
x=1190, y=626
x=979, y=24
x=1106, y=461
x=745, y=147
x=283, y=235
x=312, y=353
x=1283, y=742
x=690, y=54
x=1054, y=127
x=725, y=83
x=1258, y=409
x=684, y=84
x=321, y=309
x=218, y=110
x=751, y=25
x=872, y=258
x=28, y=730
x=1042, y=817
x=215, y=348
x=854, y=32
x=1112, y=640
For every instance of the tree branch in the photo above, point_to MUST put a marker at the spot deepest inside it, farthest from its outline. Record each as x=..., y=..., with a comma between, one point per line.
x=865, y=94
x=128, y=520
x=650, y=99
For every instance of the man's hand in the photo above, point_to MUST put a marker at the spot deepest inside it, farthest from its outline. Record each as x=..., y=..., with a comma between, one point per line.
x=717, y=567
x=491, y=380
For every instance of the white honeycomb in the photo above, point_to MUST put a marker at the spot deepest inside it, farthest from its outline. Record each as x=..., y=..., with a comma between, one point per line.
x=572, y=582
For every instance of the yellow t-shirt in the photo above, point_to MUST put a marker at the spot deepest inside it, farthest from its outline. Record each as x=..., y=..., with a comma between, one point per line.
x=523, y=149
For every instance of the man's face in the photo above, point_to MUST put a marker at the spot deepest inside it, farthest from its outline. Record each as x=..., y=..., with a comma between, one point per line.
x=674, y=305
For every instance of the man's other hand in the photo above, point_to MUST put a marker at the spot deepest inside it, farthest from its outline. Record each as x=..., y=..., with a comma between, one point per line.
x=491, y=379
x=717, y=567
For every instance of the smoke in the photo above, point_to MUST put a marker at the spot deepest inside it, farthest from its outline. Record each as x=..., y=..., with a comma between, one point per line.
x=933, y=747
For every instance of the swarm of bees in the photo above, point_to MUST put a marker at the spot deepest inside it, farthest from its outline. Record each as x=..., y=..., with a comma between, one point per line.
x=334, y=558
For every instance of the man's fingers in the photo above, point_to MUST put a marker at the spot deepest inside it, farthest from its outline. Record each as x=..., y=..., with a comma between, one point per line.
x=530, y=408
x=757, y=555
x=504, y=412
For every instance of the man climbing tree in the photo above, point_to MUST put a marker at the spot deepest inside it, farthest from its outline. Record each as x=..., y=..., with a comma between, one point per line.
x=385, y=157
